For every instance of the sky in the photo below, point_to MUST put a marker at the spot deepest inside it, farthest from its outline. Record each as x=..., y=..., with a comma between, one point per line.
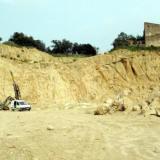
x=84, y=21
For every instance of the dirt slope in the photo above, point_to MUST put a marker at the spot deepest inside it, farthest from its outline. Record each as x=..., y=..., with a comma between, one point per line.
x=45, y=80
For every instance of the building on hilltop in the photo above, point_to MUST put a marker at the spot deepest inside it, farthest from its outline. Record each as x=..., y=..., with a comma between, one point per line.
x=152, y=34
x=150, y=38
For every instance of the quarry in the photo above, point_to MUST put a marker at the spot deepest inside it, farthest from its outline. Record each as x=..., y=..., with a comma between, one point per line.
x=105, y=106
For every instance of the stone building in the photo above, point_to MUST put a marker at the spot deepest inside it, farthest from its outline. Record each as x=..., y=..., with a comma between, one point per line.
x=152, y=34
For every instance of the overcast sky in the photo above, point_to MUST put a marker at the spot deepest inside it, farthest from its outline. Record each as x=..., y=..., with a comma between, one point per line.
x=85, y=21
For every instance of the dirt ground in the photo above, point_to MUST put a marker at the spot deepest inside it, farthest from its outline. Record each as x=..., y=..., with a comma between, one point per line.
x=78, y=134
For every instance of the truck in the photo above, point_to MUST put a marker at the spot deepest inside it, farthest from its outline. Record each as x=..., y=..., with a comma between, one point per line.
x=19, y=105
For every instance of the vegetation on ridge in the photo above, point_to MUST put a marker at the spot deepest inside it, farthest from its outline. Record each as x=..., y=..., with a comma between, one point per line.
x=123, y=40
x=64, y=47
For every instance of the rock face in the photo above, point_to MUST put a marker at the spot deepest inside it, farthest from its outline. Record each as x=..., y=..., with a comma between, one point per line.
x=132, y=77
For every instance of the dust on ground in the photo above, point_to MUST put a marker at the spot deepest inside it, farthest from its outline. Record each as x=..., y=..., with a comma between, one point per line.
x=76, y=134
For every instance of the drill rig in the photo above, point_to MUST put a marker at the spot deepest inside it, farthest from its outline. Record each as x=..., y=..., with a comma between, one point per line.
x=5, y=105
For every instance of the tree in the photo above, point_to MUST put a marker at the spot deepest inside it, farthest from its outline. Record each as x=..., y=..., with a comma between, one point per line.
x=86, y=49
x=140, y=38
x=0, y=39
x=75, y=48
x=63, y=46
x=24, y=40
x=49, y=50
x=39, y=45
x=121, y=40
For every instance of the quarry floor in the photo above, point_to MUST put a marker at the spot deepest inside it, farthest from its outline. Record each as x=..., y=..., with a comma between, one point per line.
x=78, y=135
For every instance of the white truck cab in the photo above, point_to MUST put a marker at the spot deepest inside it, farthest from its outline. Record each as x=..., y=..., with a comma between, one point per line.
x=19, y=105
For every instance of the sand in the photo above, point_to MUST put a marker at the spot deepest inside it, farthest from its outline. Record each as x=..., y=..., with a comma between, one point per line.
x=75, y=135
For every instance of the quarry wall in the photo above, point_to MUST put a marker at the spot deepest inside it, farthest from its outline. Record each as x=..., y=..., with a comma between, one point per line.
x=46, y=81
